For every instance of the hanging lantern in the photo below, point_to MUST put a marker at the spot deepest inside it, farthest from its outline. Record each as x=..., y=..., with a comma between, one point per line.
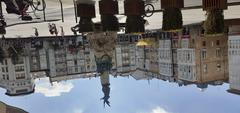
x=214, y=23
x=86, y=12
x=108, y=9
x=172, y=15
x=134, y=9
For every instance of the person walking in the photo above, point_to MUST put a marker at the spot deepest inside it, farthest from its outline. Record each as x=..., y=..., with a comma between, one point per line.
x=18, y=7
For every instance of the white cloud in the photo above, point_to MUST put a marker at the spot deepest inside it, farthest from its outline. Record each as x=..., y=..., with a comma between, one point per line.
x=77, y=111
x=158, y=110
x=44, y=87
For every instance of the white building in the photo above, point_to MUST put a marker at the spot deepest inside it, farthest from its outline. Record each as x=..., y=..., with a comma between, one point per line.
x=67, y=60
x=141, y=61
x=125, y=57
x=186, y=64
x=16, y=79
x=165, y=55
x=234, y=63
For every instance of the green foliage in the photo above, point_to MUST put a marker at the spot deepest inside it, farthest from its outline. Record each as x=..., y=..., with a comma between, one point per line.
x=214, y=23
x=172, y=19
x=109, y=23
x=86, y=24
x=135, y=24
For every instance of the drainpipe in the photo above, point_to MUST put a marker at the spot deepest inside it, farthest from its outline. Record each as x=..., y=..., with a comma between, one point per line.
x=171, y=44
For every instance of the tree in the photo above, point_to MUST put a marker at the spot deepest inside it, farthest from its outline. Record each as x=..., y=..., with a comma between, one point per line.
x=108, y=9
x=109, y=23
x=85, y=24
x=172, y=19
x=86, y=12
x=135, y=24
x=214, y=23
x=134, y=9
x=172, y=15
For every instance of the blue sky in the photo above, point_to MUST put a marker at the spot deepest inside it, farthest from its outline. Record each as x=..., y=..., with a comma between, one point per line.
x=129, y=96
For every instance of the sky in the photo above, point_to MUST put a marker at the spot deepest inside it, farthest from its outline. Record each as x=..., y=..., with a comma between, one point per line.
x=127, y=95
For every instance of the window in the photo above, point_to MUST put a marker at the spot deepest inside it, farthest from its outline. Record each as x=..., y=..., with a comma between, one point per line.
x=19, y=68
x=7, y=77
x=218, y=67
x=175, y=43
x=70, y=70
x=204, y=53
x=20, y=76
x=188, y=56
x=218, y=43
x=185, y=31
x=204, y=43
x=189, y=69
x=205, y=68
x=76, y=69
x=218, y=52
x=5, y=62
x=193, y=41
x=3, y=70
x=202, y=31
x=21, y=90
x=75, y=62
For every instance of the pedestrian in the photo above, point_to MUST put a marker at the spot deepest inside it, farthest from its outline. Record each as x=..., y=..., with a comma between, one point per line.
x=18, y=7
